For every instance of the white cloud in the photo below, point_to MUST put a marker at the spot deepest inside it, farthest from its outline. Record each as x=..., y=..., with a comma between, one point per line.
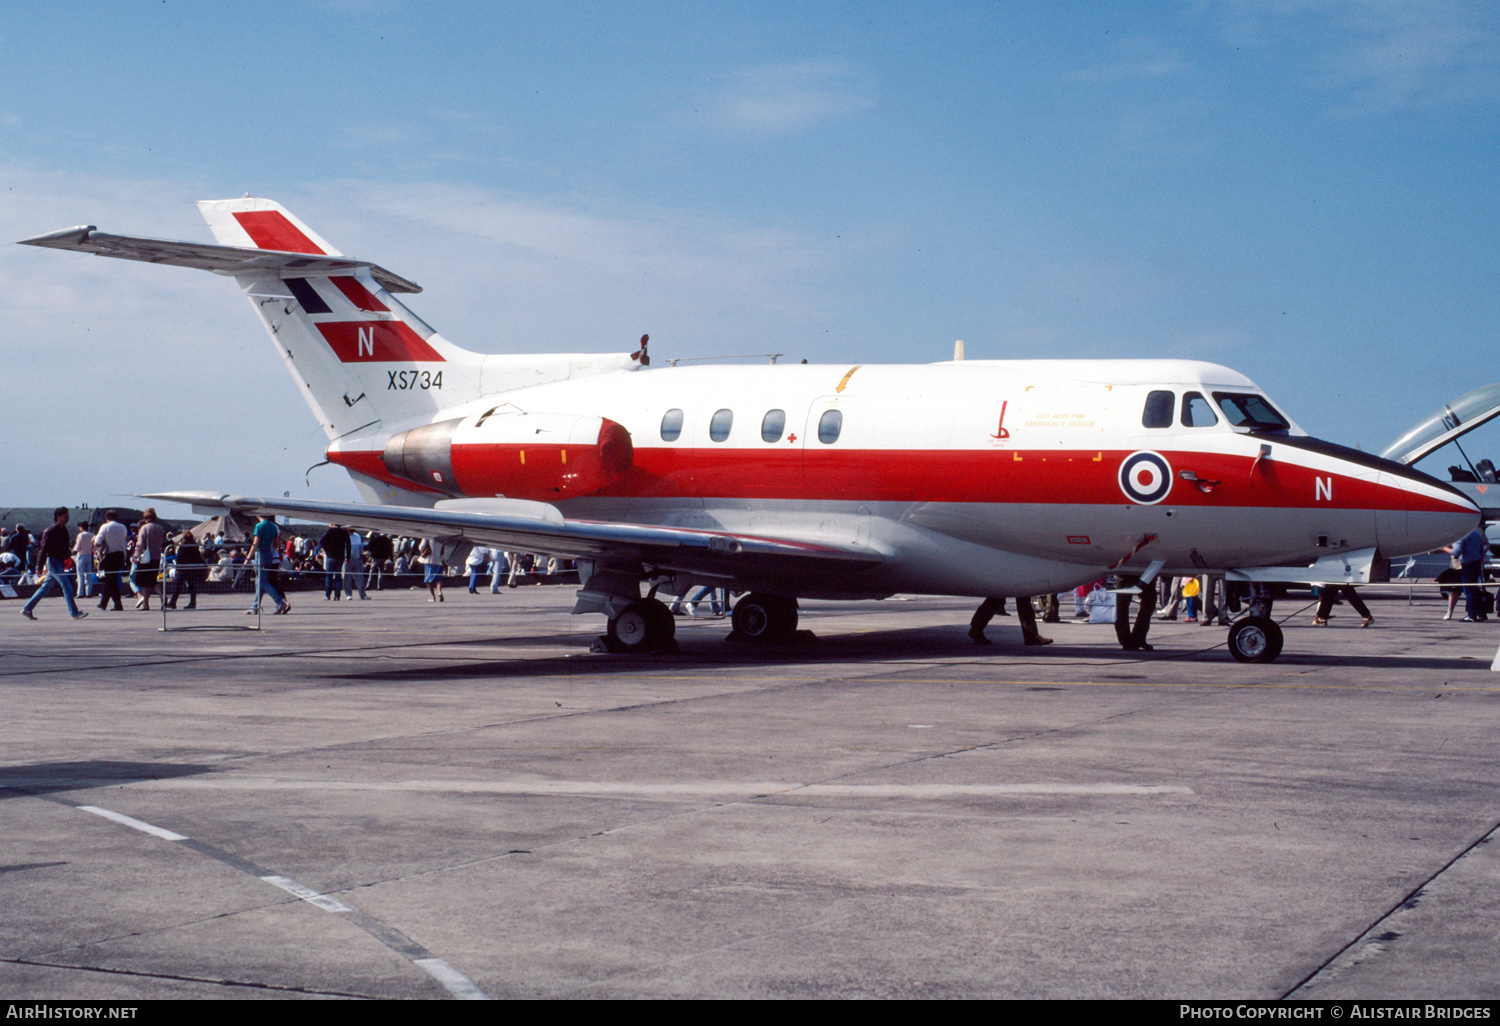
x=134, y=377
x=780, y=99
x=1382, y=55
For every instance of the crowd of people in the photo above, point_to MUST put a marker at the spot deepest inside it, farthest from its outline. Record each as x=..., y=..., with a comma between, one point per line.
x=142, y=560
x=142, y=557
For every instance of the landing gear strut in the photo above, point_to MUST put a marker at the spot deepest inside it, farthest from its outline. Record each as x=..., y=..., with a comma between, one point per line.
x=646, y=625
x=764, y=618
x=1255, y=639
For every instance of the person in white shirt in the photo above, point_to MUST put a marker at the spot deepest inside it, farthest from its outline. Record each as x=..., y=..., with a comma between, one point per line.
x=354, y=567
x=110, y=546
x=83, y=560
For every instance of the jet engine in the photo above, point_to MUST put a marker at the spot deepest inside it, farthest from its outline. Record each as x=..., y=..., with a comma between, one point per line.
x=539, y=456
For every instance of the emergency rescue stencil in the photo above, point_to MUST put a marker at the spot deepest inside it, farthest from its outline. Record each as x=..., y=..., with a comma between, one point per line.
x=1145, y=477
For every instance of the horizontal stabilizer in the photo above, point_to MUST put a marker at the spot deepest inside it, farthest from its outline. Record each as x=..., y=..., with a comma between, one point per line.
x=227, y=260
x=519, y=525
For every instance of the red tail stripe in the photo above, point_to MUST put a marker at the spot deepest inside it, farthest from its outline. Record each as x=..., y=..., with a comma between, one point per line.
x=269, y=229
x=358, y=294
x=377, y=342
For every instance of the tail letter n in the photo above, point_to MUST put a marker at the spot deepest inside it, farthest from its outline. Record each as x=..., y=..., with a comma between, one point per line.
x=367, y=341
x=1323, y=489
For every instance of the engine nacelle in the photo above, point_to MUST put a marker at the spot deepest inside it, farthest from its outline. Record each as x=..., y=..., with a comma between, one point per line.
x=540, y=456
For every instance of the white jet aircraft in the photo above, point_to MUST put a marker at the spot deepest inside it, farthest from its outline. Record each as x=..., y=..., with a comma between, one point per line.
x=847, y=481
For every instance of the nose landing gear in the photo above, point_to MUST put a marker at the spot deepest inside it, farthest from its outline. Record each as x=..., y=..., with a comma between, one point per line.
x=1255, y=639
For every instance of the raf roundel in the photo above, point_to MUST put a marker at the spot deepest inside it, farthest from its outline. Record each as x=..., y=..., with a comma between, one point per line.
x=1145, y=477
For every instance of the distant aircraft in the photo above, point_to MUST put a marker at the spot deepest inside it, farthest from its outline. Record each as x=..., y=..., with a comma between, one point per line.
x=786, y=482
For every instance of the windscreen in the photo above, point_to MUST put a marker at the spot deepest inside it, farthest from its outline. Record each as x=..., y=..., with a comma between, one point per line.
x=1250, y=411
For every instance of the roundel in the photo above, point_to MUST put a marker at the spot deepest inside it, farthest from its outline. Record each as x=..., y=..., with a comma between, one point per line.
x=1145, y=477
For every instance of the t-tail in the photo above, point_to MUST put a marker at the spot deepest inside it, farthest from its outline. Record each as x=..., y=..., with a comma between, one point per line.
x=364, y=363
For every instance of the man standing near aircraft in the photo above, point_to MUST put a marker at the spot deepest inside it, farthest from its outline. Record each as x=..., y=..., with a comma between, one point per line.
x=110, y=545
x=263, y=552
x=1025, y=612
x=1470, y=551
x=51, y=554
x=335, y=543
x=354, y=567
x=1134, y=638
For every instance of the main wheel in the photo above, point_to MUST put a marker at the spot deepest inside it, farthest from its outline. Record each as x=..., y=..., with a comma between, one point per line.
x=758, y=617
x=642, y=626
x=1255, y=639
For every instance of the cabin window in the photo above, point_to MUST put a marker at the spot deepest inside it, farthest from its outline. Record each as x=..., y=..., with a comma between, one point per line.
x=772, y=425
x=829, y=426
x=1251, y=412
x=1197, y=411
x=1158, y=412
x=719, y=425
x=671, y=426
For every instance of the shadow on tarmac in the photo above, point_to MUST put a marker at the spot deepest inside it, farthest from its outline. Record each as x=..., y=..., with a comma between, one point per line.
x=707, y=650
x=46, y=777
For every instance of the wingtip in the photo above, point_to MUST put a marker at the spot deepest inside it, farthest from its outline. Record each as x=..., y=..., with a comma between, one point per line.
x=64, y=238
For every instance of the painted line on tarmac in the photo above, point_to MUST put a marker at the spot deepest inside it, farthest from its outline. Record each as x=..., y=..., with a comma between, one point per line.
x=453, y=981
x=307, y=894
x=683, y=789
x=133, y=823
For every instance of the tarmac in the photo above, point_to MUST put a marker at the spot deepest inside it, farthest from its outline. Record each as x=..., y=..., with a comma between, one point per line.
x=399, y=799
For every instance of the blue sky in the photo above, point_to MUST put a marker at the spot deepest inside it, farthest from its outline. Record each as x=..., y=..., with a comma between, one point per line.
x=1302, y=191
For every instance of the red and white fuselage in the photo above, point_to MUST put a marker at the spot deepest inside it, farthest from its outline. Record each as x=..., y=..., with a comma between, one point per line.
x=963, y=474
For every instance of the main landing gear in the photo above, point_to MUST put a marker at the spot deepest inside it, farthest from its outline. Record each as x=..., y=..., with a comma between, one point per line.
x=764, y=618
x=1255, y=639
x=646, y=625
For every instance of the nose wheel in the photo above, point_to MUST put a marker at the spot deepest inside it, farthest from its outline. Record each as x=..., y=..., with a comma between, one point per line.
x=1255, y=639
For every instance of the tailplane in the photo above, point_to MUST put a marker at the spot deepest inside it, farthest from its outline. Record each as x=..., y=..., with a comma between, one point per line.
x=362, y=361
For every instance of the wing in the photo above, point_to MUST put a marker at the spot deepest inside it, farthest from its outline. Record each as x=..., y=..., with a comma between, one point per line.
x=518, y=525
x=230, y=260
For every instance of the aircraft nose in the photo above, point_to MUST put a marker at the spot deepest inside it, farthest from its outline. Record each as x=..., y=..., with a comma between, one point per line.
x=1426, y=514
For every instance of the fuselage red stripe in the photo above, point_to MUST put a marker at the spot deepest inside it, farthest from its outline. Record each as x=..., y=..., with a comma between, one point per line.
x=914, y=475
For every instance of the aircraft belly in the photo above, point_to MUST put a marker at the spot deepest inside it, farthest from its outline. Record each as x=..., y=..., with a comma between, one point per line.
x=954, y=548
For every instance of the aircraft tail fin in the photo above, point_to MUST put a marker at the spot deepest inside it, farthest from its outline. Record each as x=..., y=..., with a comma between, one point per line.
x=362, y=361
x=360, y=357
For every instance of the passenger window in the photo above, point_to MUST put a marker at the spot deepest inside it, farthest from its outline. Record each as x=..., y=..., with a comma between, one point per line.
x=1158, y=410
x=1197, y=411
x=772, y=425
x=829, y=426
x=718, y=427
x=671, y=426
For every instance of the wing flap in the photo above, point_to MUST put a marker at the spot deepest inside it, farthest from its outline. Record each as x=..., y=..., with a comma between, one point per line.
x=518, y=525
x=227, y=260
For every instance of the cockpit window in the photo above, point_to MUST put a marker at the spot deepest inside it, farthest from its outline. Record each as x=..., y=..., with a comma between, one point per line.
x=1197, y=411
x=1158, y=410
x=1250, y=411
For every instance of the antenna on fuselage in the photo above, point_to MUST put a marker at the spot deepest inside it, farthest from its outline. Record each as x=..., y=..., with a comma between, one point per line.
x=958, y=350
